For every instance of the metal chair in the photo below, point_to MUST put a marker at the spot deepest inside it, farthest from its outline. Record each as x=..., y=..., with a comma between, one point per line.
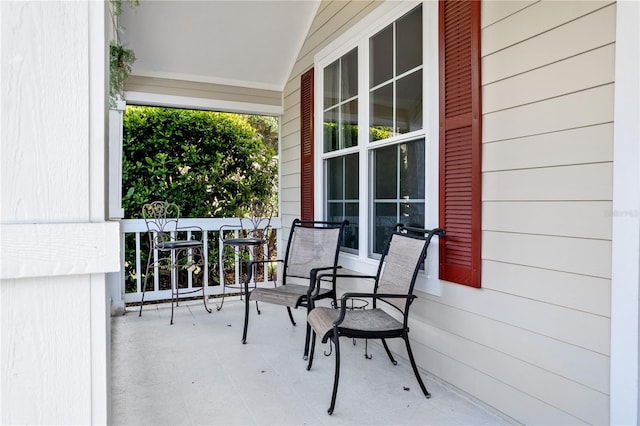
x=403, y=256
x=313, y=247
x=168, y=252
x=251, y=234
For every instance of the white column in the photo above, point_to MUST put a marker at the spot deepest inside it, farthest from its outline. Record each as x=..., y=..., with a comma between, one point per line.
x=626, y=220
x=55, y=243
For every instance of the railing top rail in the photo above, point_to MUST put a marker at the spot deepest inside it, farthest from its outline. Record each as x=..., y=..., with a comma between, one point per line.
x=207, y=224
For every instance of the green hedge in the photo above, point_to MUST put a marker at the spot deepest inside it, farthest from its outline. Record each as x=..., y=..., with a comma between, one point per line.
x=210, y=164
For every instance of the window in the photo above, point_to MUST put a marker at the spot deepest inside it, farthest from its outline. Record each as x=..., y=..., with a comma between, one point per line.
x=411, y=130
x=393, y=152
x=341, y=103
x=340, y=131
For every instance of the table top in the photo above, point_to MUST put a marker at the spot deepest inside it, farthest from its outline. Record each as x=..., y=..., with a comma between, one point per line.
x=243, y=242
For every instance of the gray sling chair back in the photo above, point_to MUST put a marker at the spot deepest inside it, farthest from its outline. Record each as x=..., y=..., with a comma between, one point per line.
x=312, y=247
x=403, y=256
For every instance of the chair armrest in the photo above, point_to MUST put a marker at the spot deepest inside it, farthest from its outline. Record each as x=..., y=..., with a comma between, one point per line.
x=347, y=296
x=314, y=280
x=255, y=262
x=321, y=276
x=190, y=228
x=373, y=277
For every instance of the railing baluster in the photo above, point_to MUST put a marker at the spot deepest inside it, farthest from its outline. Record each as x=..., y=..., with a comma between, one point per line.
x=138, y=262
x=205, y=269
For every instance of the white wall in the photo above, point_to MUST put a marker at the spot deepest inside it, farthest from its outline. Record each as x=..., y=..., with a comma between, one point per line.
x=55, y=244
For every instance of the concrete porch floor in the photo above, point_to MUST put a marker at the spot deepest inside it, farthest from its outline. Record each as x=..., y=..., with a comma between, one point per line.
x=197, y=372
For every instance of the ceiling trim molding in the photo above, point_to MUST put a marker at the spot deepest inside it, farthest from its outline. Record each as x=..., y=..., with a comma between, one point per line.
x=171, y=101
x=204, y=79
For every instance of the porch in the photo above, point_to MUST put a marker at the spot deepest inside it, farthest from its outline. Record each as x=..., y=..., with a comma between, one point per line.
x=198, y=372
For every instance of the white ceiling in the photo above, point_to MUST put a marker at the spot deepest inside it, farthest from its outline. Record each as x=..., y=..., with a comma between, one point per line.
x=248, y=43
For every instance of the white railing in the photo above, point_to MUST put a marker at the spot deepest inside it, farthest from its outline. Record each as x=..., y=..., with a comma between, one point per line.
x=134, y=246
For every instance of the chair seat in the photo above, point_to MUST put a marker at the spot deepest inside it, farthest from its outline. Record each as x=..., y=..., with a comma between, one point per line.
x=286, y=295
x=358, y=321
x=170, y=245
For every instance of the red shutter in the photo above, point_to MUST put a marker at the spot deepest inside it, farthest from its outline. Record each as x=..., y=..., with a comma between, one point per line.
x=460, y=141
x=306, y=145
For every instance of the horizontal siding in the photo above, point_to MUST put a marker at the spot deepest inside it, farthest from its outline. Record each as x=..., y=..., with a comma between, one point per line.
x=575, y=255
x=581, y=404
x=575, y=182
x=587, y=219
x=580, y=145
x=539, y=18
x=575, y=291
x=564, y=41
x=551, y=81
x=523, y=345
x=585, y=108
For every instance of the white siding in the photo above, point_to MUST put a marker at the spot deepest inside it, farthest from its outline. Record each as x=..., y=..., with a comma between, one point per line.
x=534, y=341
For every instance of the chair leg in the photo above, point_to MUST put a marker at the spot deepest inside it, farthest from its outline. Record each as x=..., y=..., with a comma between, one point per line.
x=312, y=350
x=144, y=285
x=336, y=377
x=386, y=348
x=218, y=307
x=307, y=337
x=204, y=299
x=415, y=367
x=246, y=313
x=291, y=316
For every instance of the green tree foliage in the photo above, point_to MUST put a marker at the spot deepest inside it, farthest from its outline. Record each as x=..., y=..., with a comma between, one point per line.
x=210, y=164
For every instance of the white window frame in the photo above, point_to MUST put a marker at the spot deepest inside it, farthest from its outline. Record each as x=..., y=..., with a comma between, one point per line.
x=358, y=36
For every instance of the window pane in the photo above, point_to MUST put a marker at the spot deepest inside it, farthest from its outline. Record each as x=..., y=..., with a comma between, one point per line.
x=335, y=179
x=386, y=163
x=349, y=75
x=381, y=113
x=330, y=126
x=409, y=41
x=351, y=177
x=335, y=211
x=351, y=230
x=409, y=103
x=331, y=94
x=349, y=127
x=342, y=195
x=386, y=217
x=412, y=162
x=381, y=57
x=395, y=201
x=412, y=214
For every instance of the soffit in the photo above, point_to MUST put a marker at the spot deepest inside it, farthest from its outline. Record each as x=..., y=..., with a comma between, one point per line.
x=246, y=43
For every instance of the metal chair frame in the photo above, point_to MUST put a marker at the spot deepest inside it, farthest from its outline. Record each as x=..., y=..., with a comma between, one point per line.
x=312, y=291
x=165, y=250
x=255, y=227
x=401, y=302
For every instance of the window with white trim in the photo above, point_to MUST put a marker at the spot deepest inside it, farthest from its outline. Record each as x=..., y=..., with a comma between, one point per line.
x=373, y=138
